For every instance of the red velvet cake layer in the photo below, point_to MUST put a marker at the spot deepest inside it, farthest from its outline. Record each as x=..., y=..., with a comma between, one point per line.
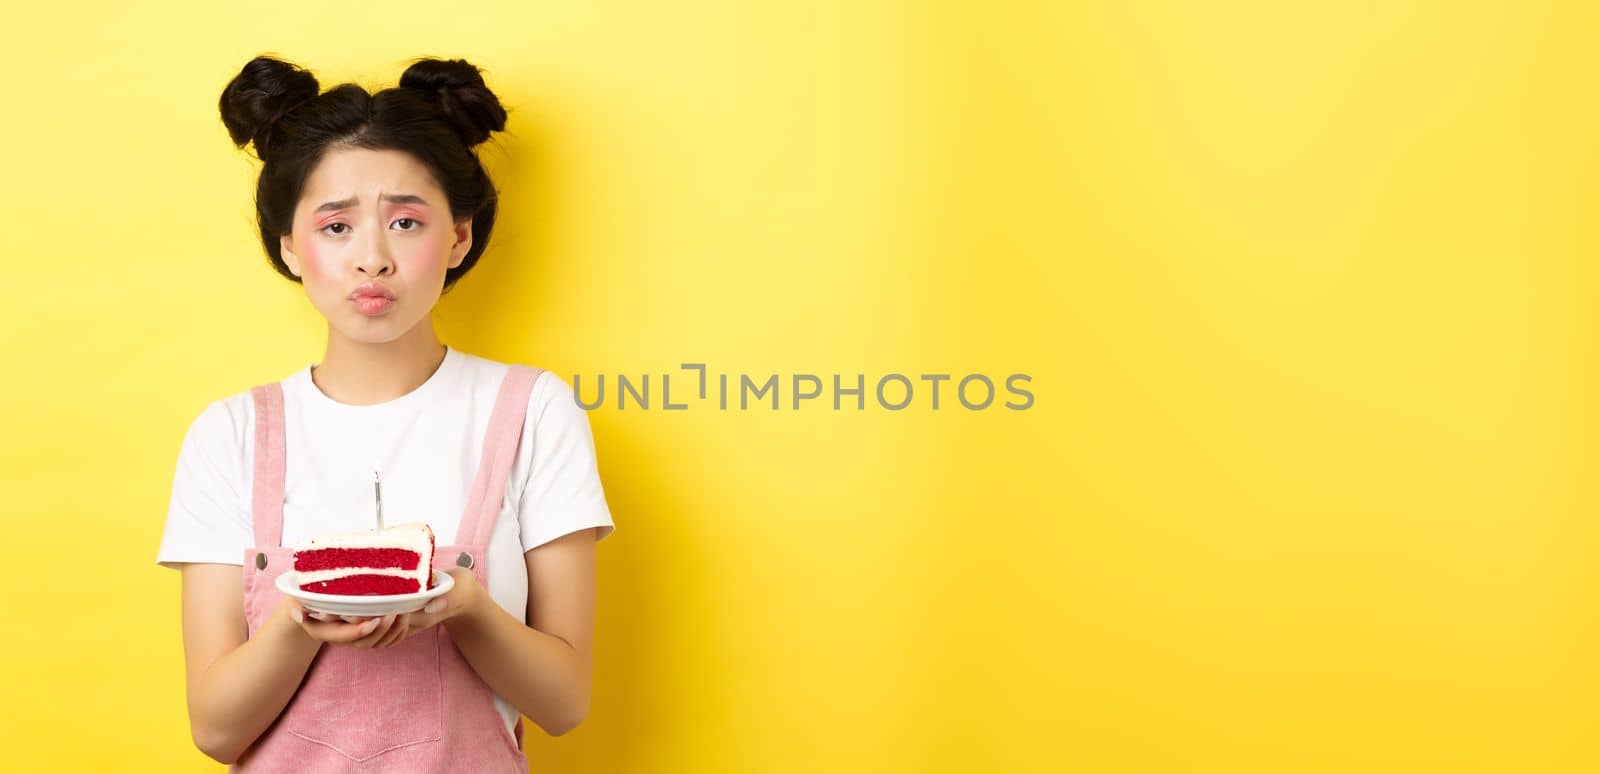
x=365, y=585
x=369, y=558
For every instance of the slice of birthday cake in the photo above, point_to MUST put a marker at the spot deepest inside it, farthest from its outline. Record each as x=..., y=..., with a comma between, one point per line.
x=394, y=560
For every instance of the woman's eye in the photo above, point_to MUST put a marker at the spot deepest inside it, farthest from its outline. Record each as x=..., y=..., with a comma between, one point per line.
x=418, y=224
x=331, y=225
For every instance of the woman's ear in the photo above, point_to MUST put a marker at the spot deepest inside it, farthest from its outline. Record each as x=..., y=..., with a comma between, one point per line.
x=463, y=245
x=286, y=249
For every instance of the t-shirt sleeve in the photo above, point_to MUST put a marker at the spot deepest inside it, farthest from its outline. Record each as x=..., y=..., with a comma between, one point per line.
x=562, y=491
x=208, y=517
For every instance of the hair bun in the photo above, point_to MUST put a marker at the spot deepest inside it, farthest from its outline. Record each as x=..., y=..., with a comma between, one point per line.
x=458, y=86
x=261, y=94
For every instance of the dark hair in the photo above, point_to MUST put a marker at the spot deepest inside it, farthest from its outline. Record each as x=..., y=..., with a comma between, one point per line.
x=438, y=113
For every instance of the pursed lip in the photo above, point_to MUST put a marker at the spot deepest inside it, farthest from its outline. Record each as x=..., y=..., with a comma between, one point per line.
x=371, y=290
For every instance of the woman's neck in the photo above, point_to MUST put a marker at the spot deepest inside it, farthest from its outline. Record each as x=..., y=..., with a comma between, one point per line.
x=363, y=373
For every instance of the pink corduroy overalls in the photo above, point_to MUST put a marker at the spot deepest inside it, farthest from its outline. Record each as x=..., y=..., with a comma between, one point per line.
x=416, y=706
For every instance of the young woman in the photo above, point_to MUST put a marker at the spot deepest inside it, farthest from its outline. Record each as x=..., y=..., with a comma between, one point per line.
x=377, y=204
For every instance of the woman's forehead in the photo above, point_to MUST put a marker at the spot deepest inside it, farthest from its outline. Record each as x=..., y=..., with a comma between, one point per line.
x=363, y=173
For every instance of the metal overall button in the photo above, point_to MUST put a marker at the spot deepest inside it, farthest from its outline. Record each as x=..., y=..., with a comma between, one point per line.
x=464, y=560
x=261, y=561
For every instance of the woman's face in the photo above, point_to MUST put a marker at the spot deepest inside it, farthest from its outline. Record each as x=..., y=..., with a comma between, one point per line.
x=371, y=241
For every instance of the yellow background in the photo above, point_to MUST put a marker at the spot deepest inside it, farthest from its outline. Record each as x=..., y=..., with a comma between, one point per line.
x=1307, y=292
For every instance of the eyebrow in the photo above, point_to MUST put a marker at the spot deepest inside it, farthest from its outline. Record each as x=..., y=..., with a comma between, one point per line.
x=353, y=201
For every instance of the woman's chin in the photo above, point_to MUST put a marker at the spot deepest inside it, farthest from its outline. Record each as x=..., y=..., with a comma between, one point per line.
x=371, y=330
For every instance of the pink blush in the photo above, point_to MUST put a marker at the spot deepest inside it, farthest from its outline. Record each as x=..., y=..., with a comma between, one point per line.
x=311, y=263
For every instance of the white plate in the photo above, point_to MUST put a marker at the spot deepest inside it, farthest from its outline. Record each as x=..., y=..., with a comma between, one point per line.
x=373, y=605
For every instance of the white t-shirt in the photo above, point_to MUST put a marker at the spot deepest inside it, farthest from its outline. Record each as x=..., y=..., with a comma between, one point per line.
x=426, y=445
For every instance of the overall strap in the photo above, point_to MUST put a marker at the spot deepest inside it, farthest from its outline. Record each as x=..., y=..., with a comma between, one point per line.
x=499, y=450
x=266, y=501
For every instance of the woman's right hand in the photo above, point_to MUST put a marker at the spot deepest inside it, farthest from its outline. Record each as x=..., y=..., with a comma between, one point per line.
x=339, y=630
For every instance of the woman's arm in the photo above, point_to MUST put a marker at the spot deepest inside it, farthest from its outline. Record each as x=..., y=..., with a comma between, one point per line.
x=237, y=684
x=543, y=668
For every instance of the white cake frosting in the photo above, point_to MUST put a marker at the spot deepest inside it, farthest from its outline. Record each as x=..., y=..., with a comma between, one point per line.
x=317, y=576
x=413, y=536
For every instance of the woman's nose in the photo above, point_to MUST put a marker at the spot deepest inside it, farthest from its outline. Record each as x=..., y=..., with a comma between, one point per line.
x=377, y=261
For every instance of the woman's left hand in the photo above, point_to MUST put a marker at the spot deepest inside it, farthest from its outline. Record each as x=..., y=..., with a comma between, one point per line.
x=463, y=599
